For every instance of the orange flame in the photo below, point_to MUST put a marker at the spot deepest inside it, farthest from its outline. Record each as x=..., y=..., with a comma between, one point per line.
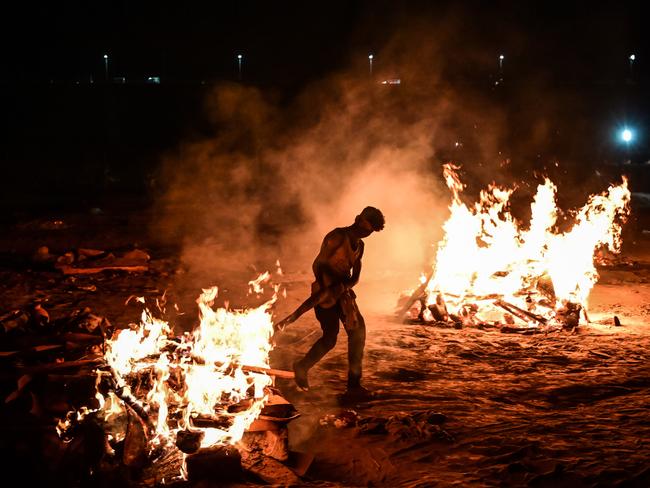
x=197, y=374
x=209, y=363
x=485, y=252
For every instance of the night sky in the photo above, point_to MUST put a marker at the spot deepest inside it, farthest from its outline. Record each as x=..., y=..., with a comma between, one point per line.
x=566, y=67
x=294, y=42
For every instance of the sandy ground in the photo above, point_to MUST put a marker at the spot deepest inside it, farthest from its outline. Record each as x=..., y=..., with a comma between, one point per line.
x=556, y=410
x=463, y=407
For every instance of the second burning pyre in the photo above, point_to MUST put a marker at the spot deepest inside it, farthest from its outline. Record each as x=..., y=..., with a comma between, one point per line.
x=490, y=270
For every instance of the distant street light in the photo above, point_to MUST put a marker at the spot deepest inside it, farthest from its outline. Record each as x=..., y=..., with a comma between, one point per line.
x=370, y=58
x=239, y=58
x=106, y=66
x=627, y=135
x=632, y=58
x=501, y=58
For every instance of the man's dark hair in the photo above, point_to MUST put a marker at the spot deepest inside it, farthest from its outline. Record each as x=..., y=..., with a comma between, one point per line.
x=374, y=217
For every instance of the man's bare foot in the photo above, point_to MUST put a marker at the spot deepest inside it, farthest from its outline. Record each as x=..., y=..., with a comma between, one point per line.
x=357, y=394
x=300, y=376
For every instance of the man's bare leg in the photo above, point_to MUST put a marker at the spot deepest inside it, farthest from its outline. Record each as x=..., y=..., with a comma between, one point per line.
x=329, y=322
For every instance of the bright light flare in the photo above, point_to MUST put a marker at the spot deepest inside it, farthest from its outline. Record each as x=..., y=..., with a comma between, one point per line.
x=627, y=135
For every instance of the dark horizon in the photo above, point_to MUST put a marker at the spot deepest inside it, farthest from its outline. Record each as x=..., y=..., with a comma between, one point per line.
x=292, y=43
x=564, y=90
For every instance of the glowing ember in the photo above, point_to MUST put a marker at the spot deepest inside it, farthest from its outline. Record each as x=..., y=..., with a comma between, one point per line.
x=486, y=258
x=201, y=382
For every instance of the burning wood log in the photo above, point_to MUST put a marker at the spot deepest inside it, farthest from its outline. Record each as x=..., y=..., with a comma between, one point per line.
x=415, y=296
x=439, y=309
x=524, y=315
x=45, y=368
x=124, y=394
x=207, y=421
x=280, y=373
x=189, y=441
x=136, y=440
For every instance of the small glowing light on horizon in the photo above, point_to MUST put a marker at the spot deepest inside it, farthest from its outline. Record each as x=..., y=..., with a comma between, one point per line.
x=371, y=56
x=239, y=56
x=632, y=57
x=105, y=56
x=627, y=135
x=501, y=57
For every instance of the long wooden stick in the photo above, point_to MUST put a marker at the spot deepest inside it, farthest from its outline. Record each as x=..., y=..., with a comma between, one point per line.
x=280, y=373
x=313, y=300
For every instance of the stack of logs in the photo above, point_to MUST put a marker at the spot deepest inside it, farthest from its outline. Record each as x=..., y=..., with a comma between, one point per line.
x=51, y=369
x=414, y=309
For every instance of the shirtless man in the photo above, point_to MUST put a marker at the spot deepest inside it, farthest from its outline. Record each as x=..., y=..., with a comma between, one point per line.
x=336, y=269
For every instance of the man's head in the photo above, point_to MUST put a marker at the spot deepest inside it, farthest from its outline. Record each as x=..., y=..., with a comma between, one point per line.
x=370, y=220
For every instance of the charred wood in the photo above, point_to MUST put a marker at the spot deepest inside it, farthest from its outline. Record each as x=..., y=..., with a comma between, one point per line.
x=205, y=421
x=439, y=309
x=525, y=315
x=415, y=296
x=222, y=463
x=165, y=469
x=135, y=453
x=189, y=441
x=254, y=369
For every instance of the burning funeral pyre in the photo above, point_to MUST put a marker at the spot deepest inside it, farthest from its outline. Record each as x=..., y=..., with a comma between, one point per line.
x=168, y=401
x=489, y=271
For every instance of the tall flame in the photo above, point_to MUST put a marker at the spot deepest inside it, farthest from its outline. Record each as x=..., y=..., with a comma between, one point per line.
x=206, y=366
x=485, y=252
x=210, y=382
